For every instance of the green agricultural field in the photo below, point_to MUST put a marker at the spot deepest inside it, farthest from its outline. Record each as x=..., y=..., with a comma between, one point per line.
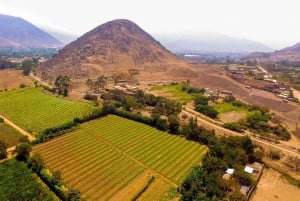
x=33, y=110
x=19, y=183
x=8, y=135
x=114, y=157
x=174, y=92
x=228, y=107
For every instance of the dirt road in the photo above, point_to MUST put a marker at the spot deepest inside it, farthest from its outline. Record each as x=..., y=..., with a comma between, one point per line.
x=20, y=130
x=223, y=131
x=39, y=80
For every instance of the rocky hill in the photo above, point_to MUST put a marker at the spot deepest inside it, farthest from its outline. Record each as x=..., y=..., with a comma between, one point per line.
x=118, y=46
x=18, y=32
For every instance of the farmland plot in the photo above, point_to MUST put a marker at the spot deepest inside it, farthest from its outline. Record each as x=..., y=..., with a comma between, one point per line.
x=111, y=155
x=8, y=135
x=33, y=110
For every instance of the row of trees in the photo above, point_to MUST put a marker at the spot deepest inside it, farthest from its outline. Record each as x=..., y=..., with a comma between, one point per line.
x=201, y=105
x=54, y=180
x=97, y=85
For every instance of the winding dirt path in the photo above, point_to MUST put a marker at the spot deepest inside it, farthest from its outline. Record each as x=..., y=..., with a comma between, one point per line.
x=39, y=80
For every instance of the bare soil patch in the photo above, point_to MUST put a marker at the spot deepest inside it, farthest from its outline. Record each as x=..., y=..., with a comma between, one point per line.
x=272, y=187
x=10, y=79
x=231, y=117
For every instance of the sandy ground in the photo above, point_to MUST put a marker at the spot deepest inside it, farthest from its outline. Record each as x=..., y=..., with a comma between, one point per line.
x=272, y=187
x=10, y=79
x=231, y=117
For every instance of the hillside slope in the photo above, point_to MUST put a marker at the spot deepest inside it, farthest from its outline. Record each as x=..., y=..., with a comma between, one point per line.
x=18, y=32
x=118, y=46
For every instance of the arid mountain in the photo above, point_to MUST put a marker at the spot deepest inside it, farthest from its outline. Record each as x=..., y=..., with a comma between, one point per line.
x=294, y=48
x=17, y=32
x=286, y=56
x=116, y=47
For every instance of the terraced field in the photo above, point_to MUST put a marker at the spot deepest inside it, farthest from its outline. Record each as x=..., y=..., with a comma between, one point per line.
x=33, y=110
x=111, y=157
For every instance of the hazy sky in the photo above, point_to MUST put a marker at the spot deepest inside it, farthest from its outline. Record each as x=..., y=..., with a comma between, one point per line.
x=274, y=22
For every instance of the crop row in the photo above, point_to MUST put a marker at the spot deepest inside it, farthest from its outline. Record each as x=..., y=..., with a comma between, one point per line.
x=34, y=110
x=154, y=148
x=91, y=158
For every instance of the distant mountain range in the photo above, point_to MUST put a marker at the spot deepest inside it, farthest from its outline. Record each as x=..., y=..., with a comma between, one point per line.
x=62, y=36
x=17, y=32
x=209, y=43
x=289, y=56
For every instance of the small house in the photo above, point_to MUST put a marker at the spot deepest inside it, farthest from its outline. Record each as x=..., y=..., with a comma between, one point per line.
x=248, y=169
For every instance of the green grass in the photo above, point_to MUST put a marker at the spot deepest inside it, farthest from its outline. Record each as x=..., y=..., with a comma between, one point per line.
x=113, y=151
x=8, y=135
x=228, y=107
x=19, y=183
x=175, y=92
x=33, y=110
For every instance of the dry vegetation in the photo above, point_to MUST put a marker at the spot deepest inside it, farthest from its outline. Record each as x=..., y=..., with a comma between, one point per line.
x=10, y=79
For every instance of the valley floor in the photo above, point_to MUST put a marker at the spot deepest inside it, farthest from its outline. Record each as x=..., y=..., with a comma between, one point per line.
x=272, y=187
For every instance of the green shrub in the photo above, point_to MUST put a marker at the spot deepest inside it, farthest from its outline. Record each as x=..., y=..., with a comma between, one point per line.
x=234, y=126
x=275, y=155
x=207, y=110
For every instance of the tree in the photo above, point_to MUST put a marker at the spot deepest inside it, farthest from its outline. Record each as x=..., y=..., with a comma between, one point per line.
x=89, y=83
x=56, y=178
x=236, y=196
x=207, y=110
x=27, y=66
x=201, y=100
x=155, y=116
x=173, y=124
x=247, y=145
x=63, y=85
x=73, y=195
x=243, y=177
x=129, y=102
x=100, y=83
x=36, y=162
x=23, y=151
x=3, y=153
x=162, y=124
